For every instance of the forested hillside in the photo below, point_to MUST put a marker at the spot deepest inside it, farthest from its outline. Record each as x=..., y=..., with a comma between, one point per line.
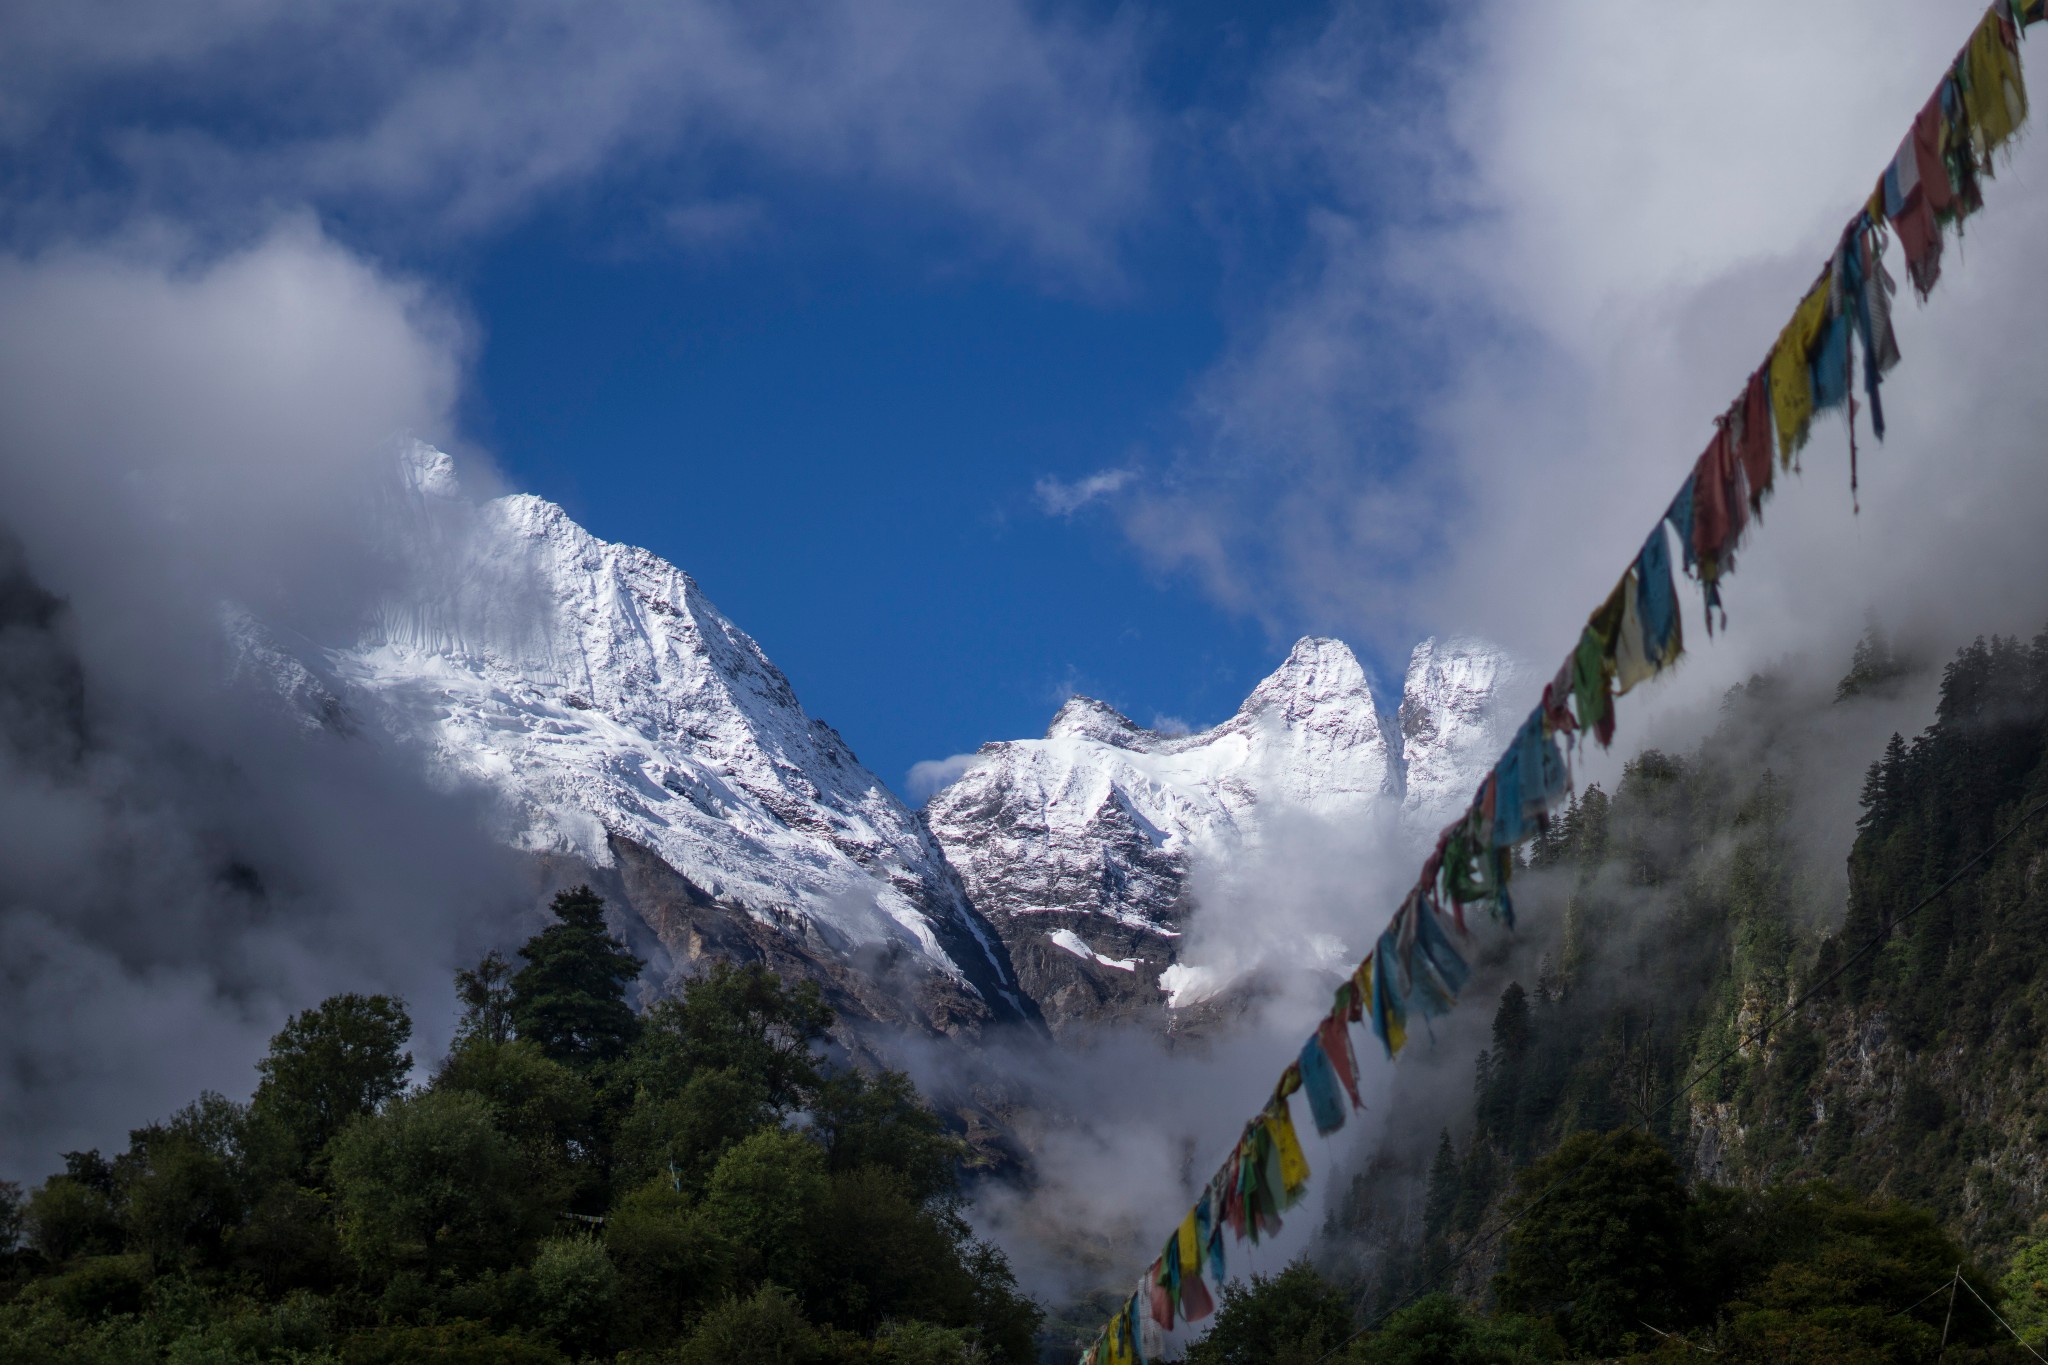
x=1785, y=1055
x=574, y=1182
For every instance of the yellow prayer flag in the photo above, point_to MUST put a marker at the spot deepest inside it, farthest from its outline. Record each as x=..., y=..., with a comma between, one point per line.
x=1190, y=1246
x=1791, y=378
x=1293, y=1164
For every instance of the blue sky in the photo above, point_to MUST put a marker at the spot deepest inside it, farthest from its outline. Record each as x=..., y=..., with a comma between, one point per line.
x=838, y=412
x=978, y=353
x=842, y=445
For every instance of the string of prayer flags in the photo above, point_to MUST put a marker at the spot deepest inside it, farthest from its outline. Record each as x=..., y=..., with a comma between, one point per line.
x=1319, y=1081
x=1933, y=182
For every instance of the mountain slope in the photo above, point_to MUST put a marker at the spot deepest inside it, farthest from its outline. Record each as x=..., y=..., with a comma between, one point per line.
x=601, y=702
x=1669, y=922
x=1077, y=847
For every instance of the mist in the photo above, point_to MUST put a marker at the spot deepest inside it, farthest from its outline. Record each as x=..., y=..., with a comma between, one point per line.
x=185, y=860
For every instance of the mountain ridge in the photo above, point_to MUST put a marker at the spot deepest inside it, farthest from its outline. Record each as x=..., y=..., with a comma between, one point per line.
x=623, y=729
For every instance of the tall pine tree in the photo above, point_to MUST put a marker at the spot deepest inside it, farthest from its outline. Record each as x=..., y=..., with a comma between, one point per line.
x=570, y=997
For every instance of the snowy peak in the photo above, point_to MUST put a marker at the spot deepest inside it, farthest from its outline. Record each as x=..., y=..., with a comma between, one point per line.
x=1084, y=718
x=598, y=696
x=1453, y=725
x=1318, y=675
x=1077, y=846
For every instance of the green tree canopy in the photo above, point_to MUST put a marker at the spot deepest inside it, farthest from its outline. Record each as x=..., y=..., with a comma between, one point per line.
x=330, y=1064
x=546, y=1108
x=1439, y=1330
x=742, y=1019
x=881, y=1121
x=1293, y=1318
x=1600, y=1243
x=485, y=991
x=431, y=1185
x=570, y=997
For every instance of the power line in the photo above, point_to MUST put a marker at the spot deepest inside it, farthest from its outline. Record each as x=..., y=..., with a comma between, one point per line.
x=1757, y=1034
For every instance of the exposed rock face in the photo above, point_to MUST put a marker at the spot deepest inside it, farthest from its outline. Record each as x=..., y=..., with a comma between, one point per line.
x=613, y=717
x=1077, y=846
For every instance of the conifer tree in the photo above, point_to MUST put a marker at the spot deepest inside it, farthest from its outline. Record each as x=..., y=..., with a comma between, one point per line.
x=1442, y=1198
x=570, y=997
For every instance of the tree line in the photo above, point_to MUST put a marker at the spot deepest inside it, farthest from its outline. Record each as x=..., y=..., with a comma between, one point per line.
x=575, y=1181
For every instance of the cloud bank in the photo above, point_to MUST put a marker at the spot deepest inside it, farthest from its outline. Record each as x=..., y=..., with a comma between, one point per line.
x=187, y=862
x=1541, y=256
x=460, y=117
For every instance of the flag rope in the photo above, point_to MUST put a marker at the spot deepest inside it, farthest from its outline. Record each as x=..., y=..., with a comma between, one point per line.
x=1932, y=184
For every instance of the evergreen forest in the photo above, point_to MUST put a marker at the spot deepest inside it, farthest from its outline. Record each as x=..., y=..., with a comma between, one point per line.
x=1727, y=1113
x=575, y=1182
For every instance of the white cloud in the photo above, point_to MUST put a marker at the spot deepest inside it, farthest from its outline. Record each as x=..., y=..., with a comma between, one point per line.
x=1534, y=279
x=175, y=431
x=1028, y=125
x=933, y=775
x=1063, y=498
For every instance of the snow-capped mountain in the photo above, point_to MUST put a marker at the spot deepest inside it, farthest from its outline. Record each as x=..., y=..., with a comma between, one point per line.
x=1078, y=847
x=1453, y=725
x=623, y=731
x=622, y=726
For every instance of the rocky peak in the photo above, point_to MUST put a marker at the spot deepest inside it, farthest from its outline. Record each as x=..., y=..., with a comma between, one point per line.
x=1453, y=725
x=601, y=701
x=1084, y=718
x=1318, y=674
x=1077, y=846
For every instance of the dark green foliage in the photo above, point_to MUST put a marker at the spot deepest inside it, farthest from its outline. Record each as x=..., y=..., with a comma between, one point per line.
x=1814, y=1272
x=732, y=1055
x=671, y=1263
x=741, y=1019
x=880, y=1121
x=330, y=1065
x=576, y=1293
x=76, y=1213
x=1874, y=668
x=700, y=1189
x=1912, y=1073
x=1439, y=1330
x=11, y=1217
x=762, y=1197
x=485, y=991
x=288, y=1240
x=546, y=1108
x=183, y=1183
x=1293, y=1318
x=1600, y=1245
x=432, y=1186
x=569, y=999
x=1444, y=1182
x=766, y=1328
x=98, y=1287
x=452, y=1343
x=2026, y=1292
